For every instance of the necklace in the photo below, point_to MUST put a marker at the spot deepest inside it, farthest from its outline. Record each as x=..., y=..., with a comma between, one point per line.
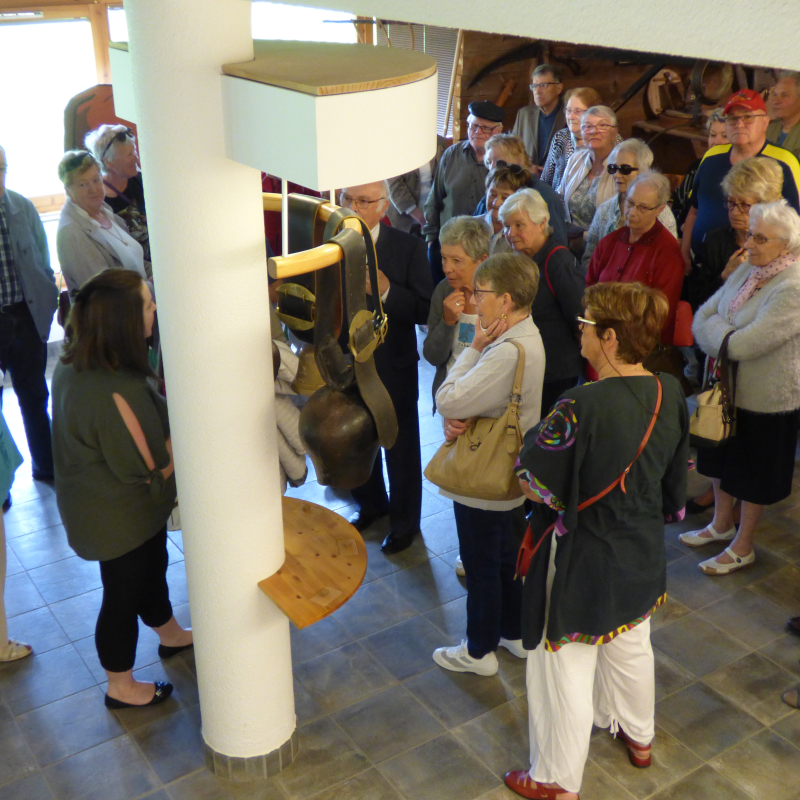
x=112, y=230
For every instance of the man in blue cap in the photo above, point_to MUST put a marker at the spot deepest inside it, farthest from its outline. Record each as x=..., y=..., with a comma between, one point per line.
x=460, y=179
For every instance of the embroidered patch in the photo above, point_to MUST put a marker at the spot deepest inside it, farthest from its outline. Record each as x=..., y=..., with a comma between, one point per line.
x=559, y=428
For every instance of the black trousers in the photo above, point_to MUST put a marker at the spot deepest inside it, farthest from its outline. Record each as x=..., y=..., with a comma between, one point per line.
x=403, y=461
x=134, y=585
x=24, y=355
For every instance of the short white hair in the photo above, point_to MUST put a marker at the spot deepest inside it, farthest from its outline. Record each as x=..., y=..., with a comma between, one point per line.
x=638, y=149
x=600, y=111
x=97, y=141
x=655, y=180
x=530, y=203
x=384, y=188
x=782, y=216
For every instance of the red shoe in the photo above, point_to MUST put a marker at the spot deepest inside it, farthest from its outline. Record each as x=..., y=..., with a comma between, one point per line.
x=639, y=754
x=520, y=781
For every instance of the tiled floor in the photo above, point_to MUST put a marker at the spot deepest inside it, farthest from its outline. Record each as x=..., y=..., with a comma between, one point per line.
x=377, y=719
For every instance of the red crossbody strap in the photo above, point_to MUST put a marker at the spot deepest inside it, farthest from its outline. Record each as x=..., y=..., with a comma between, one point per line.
x=546, y=262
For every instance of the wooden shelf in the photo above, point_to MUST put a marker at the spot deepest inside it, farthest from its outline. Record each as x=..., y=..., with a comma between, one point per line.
x=325, y=563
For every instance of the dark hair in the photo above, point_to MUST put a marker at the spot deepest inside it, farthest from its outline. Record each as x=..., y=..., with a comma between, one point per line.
x=553, y=69
x=636, y=312
x=105, y=328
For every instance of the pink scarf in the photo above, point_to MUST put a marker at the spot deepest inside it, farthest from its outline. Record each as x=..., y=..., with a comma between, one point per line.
x=758, y=278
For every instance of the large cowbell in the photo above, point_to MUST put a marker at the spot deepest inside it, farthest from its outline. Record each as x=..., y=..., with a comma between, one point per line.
x=343, y=424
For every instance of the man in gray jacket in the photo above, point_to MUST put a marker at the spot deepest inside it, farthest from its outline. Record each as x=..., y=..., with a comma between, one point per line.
x=537, y=123
x=28, y=300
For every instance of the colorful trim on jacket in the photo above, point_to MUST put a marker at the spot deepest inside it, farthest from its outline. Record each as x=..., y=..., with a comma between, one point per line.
x=583, y=638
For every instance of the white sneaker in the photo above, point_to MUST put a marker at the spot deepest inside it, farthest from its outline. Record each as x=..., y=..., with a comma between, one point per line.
x=514, y=646
x=458, y=659
x=459, y=567
x=694, y=539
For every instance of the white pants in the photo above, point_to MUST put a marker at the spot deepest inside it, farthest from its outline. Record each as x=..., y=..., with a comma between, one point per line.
x=612, y=685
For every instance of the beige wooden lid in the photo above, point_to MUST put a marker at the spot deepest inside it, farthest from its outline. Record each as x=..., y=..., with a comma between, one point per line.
x=321, y=68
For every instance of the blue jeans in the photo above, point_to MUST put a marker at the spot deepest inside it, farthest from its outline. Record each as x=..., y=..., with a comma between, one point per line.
x=489, y=542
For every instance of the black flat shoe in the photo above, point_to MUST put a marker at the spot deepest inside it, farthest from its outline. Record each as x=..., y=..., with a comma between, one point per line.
x=163, y=691
x=793, y=626
x=7, y=502
x=362, y=521
x=165, y=651
x=397, y=542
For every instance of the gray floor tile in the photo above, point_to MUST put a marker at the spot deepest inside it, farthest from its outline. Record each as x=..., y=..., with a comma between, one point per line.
x=16, y=759
x=668, y=613
x=783, y=589
x=747, y=616
x=455, y=698
x=176, y=537
x=789, y=727
x=499, y=793
x=439, y=532
x=326, y=757
x=202, y=785
x=373, y=607
x=429, y=585
x=369, y=785
x=499, y=738
x=114, y=770
x=68, y=726
x=765, y=767
x=420, y=774
x=388, y=723
x=451, y=619
x=87, y=650
x=32, y=787
x=671, y=761
x=702, y=784
x=44, y=678
x=64, y=579
x=43, y=547
x=306, y=708
x=599, y=785
x=785, y=652
x=670, y=676
x=176, y=580
x=13, y=566
x=39, y=629
x=342, y=677
x=24, y=518
x=434, y=503
x=779, y=533
x=697, y=645
x=21, y=595
x=78, y=615
x=406, y=649
x=172, y=745
x=322, y=495
x=704, y=721
x=379, y=565
x=316, y=639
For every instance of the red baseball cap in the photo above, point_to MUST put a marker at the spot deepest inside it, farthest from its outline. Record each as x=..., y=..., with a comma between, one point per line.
x=746, y=98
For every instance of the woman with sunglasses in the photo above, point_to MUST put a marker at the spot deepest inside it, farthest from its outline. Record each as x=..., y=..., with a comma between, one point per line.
x=627, y=160
x=114, y=148
x=91, y=238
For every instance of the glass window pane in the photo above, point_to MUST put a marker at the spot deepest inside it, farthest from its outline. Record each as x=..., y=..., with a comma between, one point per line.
x=279, y=21
x=117, y=25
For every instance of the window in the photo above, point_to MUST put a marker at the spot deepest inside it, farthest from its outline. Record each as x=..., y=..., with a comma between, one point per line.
x=279, y=21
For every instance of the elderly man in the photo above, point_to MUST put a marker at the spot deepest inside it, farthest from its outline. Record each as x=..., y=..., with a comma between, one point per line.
x=459, y=182
x=28, y=299
x=405, y=288
x=746, y=124
x=784, y=130
x=537, y=123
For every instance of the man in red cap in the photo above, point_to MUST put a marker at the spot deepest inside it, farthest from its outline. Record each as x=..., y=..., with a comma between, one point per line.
x=746, y=122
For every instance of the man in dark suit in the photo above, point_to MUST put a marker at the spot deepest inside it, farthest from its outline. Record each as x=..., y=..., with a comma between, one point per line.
x=405, y=287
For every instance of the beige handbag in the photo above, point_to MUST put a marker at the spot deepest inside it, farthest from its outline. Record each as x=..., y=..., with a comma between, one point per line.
x=714, y=421
x=480, y=462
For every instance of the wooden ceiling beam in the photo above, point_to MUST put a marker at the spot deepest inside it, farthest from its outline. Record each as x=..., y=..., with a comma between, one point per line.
x=32, y=5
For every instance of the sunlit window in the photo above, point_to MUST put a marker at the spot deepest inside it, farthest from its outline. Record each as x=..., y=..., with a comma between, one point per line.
x=279, y=21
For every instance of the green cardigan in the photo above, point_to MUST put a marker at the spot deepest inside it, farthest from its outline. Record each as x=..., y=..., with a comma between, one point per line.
x=106, y=504
x=792, y=140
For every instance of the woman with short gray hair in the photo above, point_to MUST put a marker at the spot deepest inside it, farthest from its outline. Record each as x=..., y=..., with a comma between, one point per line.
x=627, y=160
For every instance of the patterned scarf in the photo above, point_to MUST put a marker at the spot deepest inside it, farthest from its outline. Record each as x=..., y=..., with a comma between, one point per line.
x=757, y=279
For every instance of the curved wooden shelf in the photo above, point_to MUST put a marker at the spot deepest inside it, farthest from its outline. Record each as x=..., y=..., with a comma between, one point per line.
x=325, y=563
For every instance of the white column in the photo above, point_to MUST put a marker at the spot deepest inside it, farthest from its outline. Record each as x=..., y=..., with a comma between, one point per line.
x=207, y=235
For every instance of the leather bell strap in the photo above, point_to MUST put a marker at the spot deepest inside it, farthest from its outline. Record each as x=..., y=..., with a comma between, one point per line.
x=366, y=330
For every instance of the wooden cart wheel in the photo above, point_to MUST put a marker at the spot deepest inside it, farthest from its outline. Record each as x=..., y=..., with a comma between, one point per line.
x=665, y=91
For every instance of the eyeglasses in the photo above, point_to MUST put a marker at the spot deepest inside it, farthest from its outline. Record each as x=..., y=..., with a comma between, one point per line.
x=639, y=207
x=357, y=202
x=623, y=169
x=514, y=169
x=601, y=128
x=743, y=208
x=487, y=129
x=745, y=119
x=479, y=292
x=534, y=86
x=582, y=321
x=759, y=239
x=117, y=137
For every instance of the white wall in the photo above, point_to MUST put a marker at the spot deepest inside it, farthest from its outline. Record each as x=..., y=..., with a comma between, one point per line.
x=754, y=32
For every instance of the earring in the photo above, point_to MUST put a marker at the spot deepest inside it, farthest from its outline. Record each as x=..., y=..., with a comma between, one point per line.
x=503, y=316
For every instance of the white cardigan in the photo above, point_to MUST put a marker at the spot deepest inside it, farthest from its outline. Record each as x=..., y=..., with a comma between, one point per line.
x=767, y=339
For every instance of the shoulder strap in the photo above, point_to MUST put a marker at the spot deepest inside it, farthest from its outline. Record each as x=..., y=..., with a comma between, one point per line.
x=512, y=420
x=546, y=262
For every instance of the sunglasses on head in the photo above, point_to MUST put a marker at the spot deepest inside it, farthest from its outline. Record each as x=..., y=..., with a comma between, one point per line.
x=76, y=161
x=514, y=169
x=117, y=137
x=623, y=169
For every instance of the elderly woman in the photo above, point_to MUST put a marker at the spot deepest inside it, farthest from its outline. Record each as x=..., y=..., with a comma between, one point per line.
x=115, y=481
x=586, y=183
x=526, y=221
x=479, y=384
x=568, y=140
x=750, y=181
x=501, y=183
x=643, y=249
x=91, y=238
x=758, y=305
x=114, y=149
x=627, y=160
x=587, y=607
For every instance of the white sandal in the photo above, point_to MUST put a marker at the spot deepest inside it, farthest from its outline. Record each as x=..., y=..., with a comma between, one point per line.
x=13, y=651
x=694, y=539
x=712, y=567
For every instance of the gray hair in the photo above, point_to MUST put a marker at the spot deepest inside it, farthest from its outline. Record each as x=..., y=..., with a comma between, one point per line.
x=472, y=233
x=638, y=149
x=98, y=140
x=782, y=216
x=716, y=116
x=785, y=74
x=384, y=188
x=655, y=180
x=529, y=202
x=548, y=69
x=600, y=111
